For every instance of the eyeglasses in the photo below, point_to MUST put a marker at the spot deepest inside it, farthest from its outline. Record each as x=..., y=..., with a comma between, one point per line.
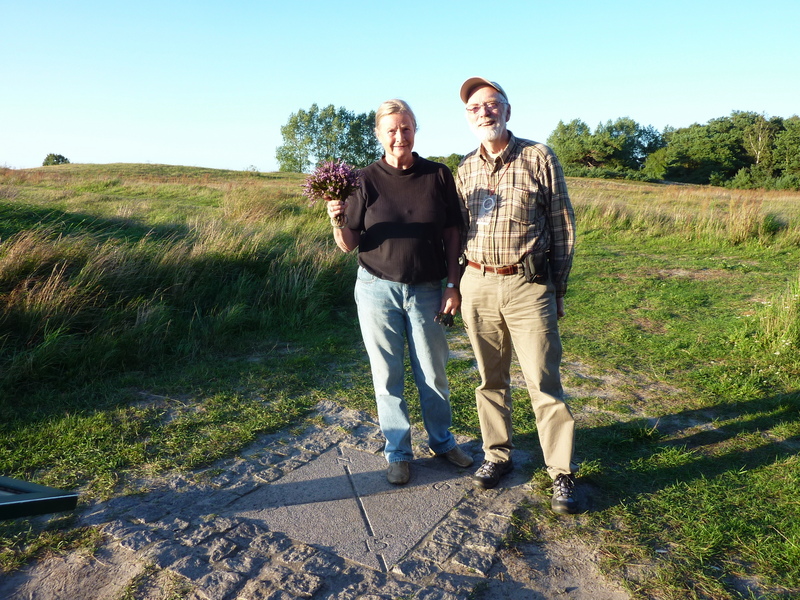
x=491, y=106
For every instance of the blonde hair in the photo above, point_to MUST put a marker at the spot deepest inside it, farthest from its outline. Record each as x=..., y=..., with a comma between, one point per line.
x=391, y=107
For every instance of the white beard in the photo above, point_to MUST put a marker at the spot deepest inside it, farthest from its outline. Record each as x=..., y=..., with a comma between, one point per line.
x=488, y=134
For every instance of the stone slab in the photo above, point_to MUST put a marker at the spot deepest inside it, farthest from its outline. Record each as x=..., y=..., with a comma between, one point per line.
x=342, y=503
x=310, y=514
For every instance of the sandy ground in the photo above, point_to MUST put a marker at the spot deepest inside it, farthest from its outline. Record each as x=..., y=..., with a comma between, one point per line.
x=549, y=570
x=542, y=571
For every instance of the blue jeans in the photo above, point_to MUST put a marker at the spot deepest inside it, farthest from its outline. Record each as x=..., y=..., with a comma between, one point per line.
x=390, y=313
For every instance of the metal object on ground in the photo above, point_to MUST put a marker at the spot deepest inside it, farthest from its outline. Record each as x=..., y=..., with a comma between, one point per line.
x=23, y=499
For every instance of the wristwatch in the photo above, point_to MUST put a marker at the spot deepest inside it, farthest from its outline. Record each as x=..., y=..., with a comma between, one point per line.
x=452, y=285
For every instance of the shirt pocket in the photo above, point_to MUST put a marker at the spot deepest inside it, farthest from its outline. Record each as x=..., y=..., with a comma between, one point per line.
x=523, y=205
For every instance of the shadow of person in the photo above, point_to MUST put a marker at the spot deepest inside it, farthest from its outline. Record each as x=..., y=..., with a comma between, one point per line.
x=645, y=455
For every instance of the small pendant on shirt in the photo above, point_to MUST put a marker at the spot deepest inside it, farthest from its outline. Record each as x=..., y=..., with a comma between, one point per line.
x=486, y=209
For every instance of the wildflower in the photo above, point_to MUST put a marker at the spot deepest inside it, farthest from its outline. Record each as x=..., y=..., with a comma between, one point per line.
x=333, y=180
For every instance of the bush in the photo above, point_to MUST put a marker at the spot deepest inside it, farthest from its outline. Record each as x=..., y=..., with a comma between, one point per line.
x=55, y=159
x=451, y=162
x=751, y=178
x=787, y=182
x=572, y=170
x=637, y=176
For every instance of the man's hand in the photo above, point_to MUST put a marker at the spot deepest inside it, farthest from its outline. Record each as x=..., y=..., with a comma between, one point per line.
x=451, y=301
x=560, y=307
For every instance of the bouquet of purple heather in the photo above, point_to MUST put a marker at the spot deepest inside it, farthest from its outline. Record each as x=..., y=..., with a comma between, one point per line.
x=336, y=180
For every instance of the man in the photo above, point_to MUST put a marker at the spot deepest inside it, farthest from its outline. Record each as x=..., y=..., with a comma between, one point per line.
x=519, y=254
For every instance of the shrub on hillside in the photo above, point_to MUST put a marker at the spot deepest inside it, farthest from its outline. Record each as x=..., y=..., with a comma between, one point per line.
x=55, y=159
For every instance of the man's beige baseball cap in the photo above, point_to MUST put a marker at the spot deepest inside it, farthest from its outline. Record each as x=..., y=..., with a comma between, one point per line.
x=473, y=83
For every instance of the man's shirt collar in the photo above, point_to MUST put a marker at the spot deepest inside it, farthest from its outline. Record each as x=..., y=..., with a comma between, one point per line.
x=504, y=157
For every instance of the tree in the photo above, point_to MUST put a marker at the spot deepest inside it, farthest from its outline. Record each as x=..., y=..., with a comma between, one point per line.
x=319, y=135
x=698, y=152
x=621, y=145
x=624, y=145
x=55, y=159
x=572, y=143
x=655, y=165
x=759, y=138
x=745, y=149
x=360, y=146
x=614, y=145
x=451, y=162
x=787, y=147
x=649, y=141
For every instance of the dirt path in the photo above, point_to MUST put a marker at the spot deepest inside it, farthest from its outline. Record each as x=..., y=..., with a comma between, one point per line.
x=532, y=571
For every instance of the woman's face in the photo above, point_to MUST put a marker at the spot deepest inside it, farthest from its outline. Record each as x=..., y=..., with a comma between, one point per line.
x=396, y=134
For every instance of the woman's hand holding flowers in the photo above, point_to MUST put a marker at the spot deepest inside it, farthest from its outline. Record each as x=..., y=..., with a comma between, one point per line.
x=336, y=211
x=332, y=181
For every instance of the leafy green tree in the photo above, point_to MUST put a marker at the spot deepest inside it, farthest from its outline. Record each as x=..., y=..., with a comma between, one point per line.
x=696, y=152
x=745, y=149
x=655, y=165
x=621, y=145
x=297, y=134
x=690, y=155
x=451, y=162
x=615, y=143
x=624, y=145
x=786, y=156
x=758, y=138
x=572, y=143
x=649, y=140
x=318, y=135
x=361, y=146
x=55, y=159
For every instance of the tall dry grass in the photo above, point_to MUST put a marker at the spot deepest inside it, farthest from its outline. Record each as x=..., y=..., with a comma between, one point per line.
x=91, y=296
x=112, y=267
x=695, y=213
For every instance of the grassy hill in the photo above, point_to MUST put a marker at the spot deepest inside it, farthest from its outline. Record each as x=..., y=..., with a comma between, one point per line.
x=158, y=317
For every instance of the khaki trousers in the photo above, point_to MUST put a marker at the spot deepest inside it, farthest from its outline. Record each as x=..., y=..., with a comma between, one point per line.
x=501, y=311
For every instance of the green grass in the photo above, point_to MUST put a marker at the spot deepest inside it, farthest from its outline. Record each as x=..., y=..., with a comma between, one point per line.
x=694, y=472
x=158, y=318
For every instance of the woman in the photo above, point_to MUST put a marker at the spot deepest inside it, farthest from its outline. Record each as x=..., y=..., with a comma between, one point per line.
x=406, y=222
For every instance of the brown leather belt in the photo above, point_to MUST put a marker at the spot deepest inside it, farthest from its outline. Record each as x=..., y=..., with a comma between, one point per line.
x=509, y=270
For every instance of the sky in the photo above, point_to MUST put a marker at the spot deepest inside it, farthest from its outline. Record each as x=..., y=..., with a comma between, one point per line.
x=210, y=84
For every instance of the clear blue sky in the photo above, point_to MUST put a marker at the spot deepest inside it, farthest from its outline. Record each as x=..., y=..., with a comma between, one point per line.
x=211, y=83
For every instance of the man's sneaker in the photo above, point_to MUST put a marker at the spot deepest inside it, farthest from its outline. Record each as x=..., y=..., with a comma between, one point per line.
x=398, y=473
x=489, y=473
x=458, y=457
x=564, y=500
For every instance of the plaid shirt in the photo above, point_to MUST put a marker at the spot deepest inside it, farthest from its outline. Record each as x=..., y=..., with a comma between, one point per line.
x=517, y=205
